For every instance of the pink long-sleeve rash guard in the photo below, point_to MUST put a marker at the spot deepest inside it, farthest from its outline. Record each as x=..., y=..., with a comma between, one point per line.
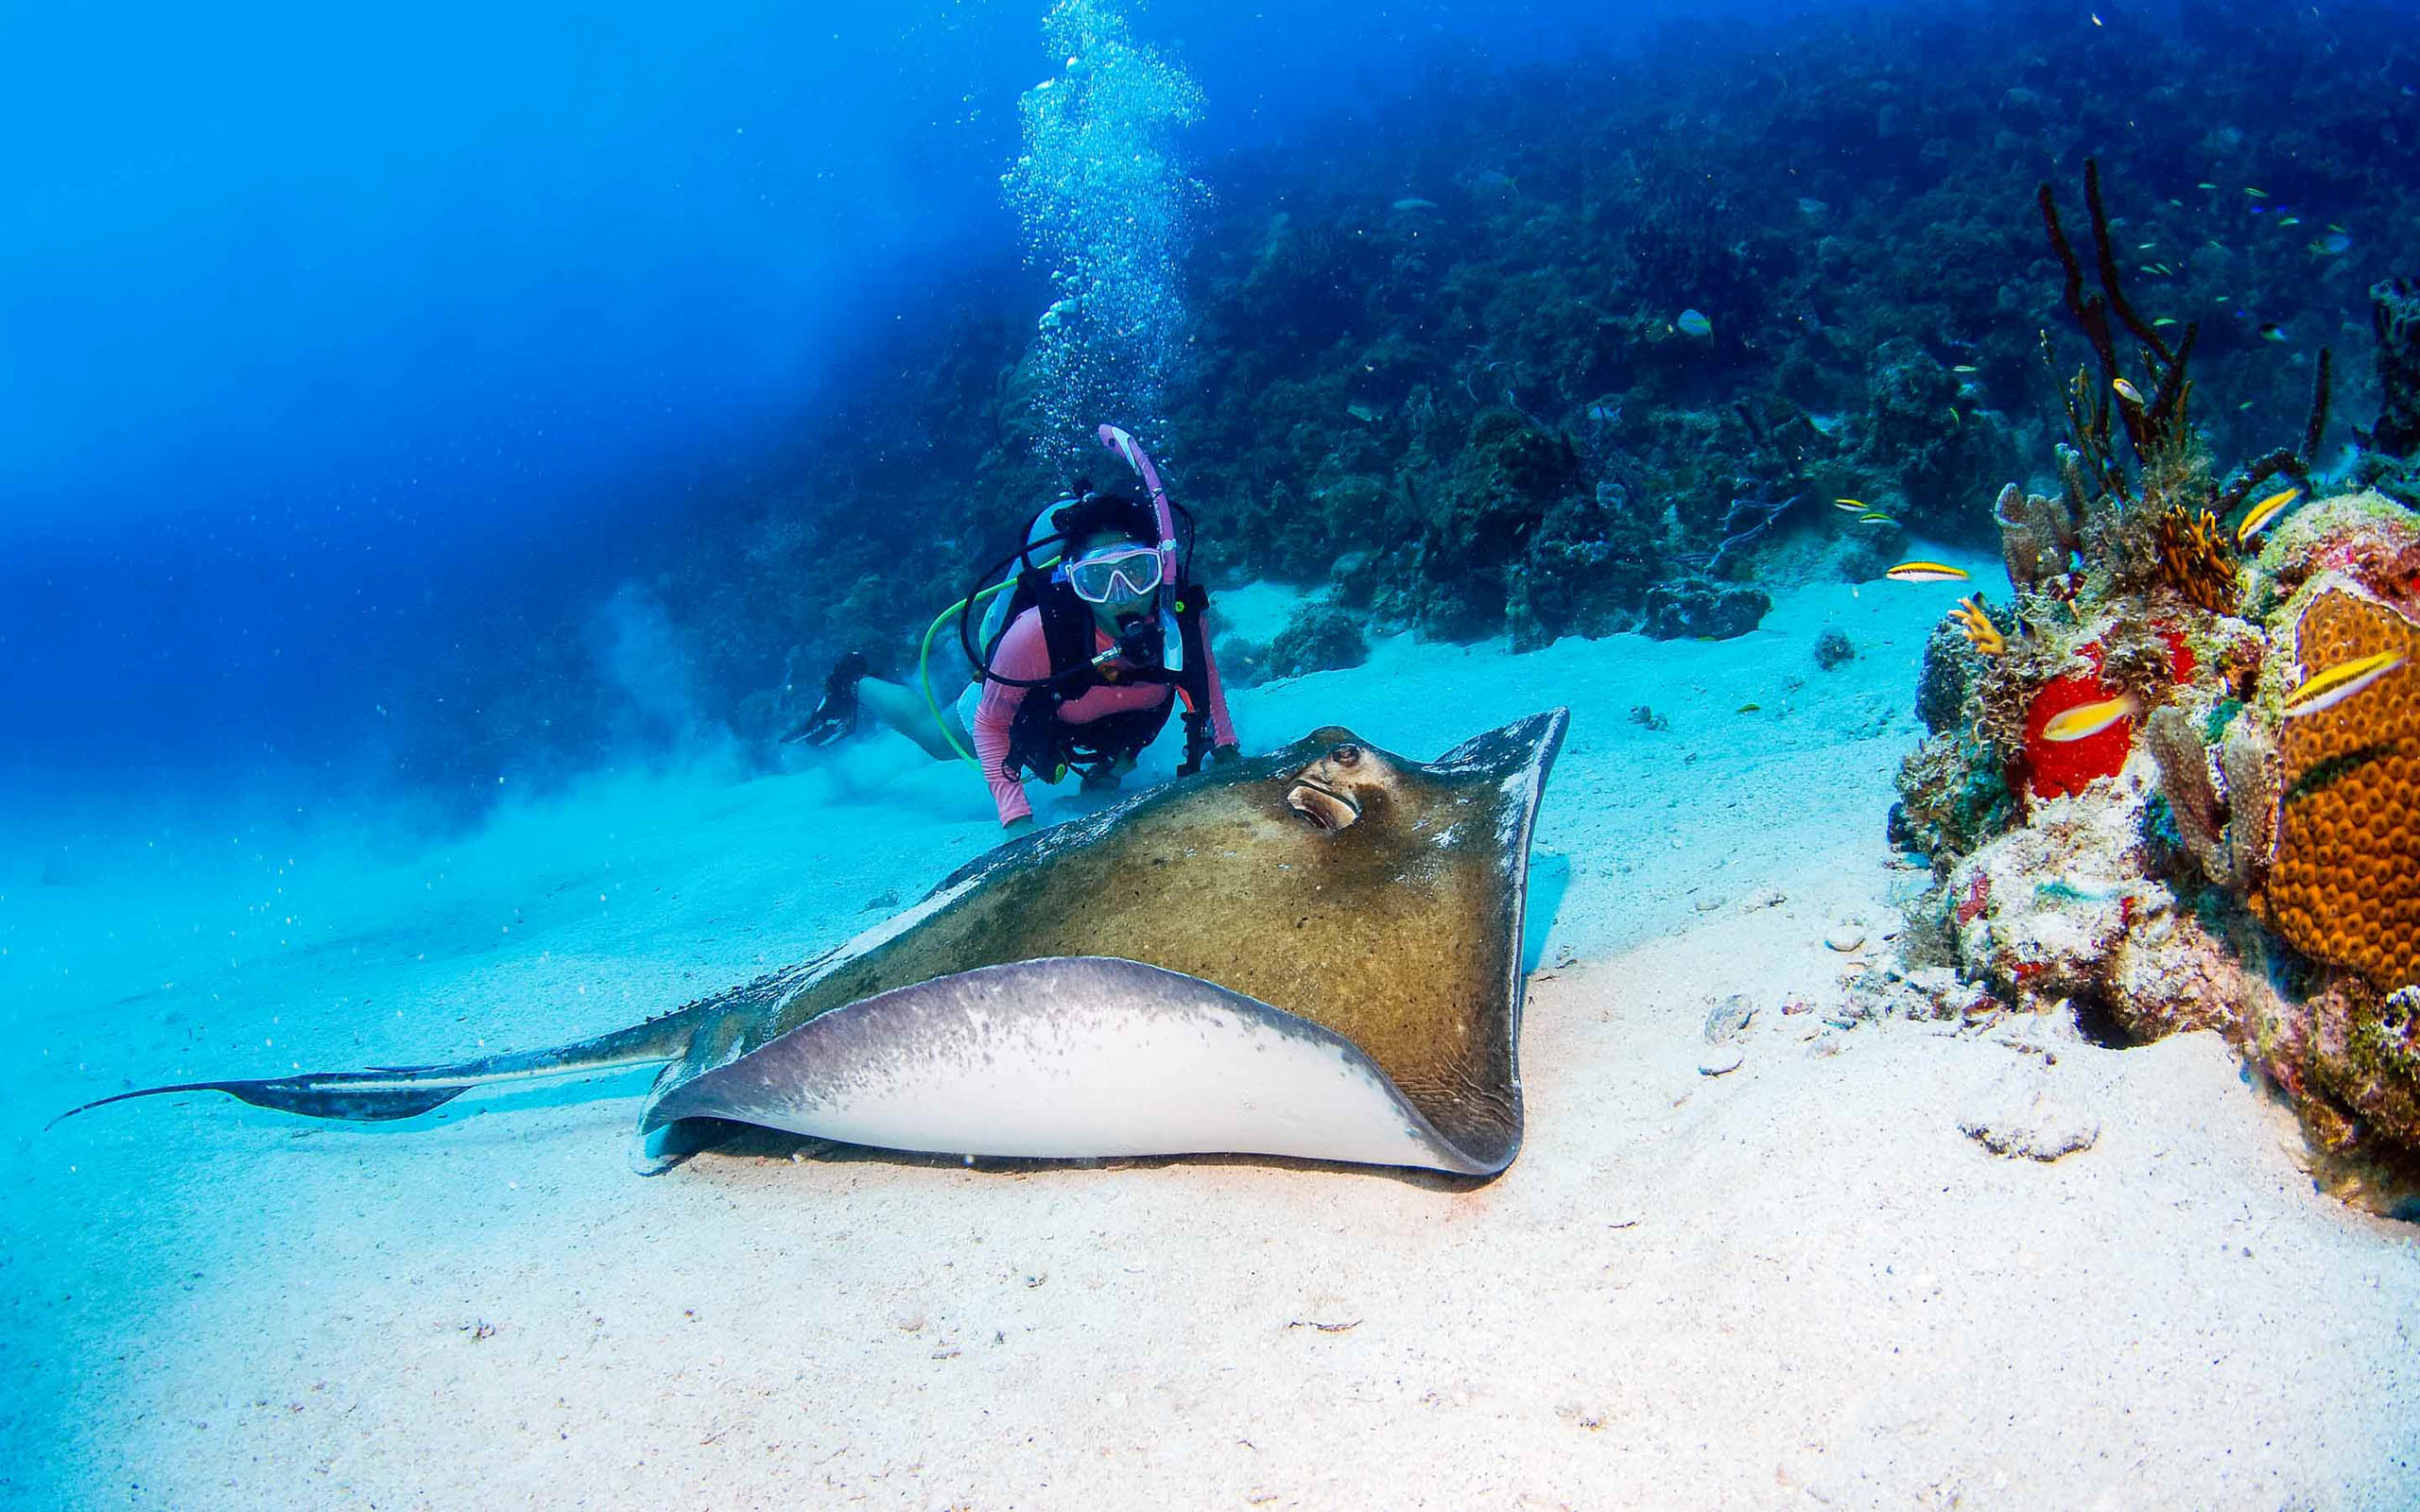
x=1023, y=654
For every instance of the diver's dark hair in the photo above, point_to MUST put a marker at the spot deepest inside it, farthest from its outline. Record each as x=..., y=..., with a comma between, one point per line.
x=1095, y=513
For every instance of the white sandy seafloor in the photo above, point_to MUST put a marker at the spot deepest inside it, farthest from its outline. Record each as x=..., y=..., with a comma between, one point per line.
x=1799, y=1283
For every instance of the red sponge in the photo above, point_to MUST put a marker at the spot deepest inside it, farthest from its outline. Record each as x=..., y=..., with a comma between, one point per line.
x=2055, y=767
x=2065, y=766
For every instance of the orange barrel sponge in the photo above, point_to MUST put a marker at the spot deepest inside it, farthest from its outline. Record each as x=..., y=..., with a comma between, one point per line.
x=2346, y=885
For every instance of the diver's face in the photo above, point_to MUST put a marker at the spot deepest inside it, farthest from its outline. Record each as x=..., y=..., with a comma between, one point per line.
x=1122, y=605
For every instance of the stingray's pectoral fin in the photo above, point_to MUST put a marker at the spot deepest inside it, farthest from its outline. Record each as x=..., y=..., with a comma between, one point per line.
x=659, y=1147
x=375, y=1095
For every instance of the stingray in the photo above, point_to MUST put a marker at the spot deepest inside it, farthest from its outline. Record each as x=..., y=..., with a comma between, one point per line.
x=1313, y=953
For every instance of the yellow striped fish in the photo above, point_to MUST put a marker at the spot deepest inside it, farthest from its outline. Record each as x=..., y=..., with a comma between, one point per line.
x=1927, y=572
x=2127, y=391
x=1852, y=506
x=1875, y=517
x=2329, y=688
x=2087, y=720
x=2264, y=514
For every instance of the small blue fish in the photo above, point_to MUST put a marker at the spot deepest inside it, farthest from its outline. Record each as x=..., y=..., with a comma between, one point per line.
x=1692, y=324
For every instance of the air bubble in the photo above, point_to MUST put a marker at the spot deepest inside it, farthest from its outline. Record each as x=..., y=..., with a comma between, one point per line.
x=1107, y=208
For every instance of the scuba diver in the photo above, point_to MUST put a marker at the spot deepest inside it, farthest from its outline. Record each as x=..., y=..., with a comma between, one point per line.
x=1083, y=655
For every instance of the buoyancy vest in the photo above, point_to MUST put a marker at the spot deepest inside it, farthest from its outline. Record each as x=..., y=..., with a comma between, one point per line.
x=1042, y=742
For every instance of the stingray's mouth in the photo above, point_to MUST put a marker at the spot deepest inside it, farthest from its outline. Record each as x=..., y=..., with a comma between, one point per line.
x=1321, y=806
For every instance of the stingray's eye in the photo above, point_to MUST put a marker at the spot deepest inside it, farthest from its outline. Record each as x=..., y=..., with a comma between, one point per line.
x=1345, y=754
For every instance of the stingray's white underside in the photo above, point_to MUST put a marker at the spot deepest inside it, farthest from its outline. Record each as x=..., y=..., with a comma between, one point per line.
x=1071, y=1057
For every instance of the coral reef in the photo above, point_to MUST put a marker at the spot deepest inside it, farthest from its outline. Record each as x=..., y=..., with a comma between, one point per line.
x=2389, y=459
x=1701, y=608
x=2396, y=312
x=1917, y=431
x=2037, y=536
x=2199, y=849
x=1466, y=563
x=1319, y=637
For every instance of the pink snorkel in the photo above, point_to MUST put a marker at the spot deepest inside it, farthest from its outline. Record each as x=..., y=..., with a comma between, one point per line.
x=1127, y=447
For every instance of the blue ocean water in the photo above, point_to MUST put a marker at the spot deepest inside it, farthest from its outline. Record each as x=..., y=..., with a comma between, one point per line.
x=442, y=452
x=327, y=343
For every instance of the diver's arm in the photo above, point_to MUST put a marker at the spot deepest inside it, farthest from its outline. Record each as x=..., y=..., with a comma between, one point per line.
x=1022, y=653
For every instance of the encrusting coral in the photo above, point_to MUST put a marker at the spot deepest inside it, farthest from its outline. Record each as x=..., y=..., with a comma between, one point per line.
x=2190, y=846
x=2345, y=885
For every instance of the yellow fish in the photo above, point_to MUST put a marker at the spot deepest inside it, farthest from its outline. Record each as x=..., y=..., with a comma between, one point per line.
x=2257, y=193
x=2325, y=690
x=1852, y=506
x=2165, y=319
x=1927, y=572
x=1965, y=367
x=1875, y=517
x=2264, y=514
x=2088, y=720
x=2127, y=391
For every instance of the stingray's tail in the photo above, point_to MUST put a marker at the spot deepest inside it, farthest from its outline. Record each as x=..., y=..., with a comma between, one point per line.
x=384, y=1093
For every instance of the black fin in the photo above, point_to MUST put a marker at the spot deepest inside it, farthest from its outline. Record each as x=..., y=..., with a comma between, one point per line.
x=364, y=1096
x=381, y=1093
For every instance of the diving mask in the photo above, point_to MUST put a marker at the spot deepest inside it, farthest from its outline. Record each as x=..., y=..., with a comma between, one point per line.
x=1122, y=572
